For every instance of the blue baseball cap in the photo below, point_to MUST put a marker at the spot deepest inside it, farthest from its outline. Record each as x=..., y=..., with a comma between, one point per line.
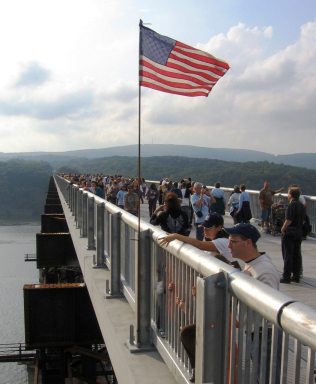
x=244, y=229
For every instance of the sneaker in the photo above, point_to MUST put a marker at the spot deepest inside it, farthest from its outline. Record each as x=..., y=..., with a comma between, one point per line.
x=285, y=281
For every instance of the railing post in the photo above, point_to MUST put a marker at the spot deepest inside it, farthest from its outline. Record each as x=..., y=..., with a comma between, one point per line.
x=91, y=241
x=83, y=231
x=73, y=199
x=79, y=221
x=115, y=256
x=68, y=190
x=100, y=262
x=70, y=197
x=211, y=320
x=142, y=295
x=75, y=211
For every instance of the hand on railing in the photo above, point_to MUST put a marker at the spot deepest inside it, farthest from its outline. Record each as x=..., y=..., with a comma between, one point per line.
x=180, y=303
x=167, y=239
x=171, y=286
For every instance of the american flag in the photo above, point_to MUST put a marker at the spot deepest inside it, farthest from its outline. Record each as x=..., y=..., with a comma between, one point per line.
x=170, y=66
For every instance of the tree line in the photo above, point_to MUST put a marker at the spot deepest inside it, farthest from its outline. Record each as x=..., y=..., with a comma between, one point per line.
x=207, y=171
x=24, y=183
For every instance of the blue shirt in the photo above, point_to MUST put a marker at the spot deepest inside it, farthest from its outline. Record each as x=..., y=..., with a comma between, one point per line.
x=204, y=207
x=120, y=197
x=244, y=196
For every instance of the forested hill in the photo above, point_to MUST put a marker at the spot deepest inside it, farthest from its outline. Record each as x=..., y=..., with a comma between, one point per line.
x=207, y=171
x=24, y=183
x=306, y=160
x=24, y=186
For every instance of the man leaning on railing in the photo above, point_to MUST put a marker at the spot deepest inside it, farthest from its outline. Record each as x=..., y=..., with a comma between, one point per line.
x=243, y=239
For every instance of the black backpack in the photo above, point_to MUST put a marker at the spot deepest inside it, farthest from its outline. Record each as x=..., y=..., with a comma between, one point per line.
x=178, y=224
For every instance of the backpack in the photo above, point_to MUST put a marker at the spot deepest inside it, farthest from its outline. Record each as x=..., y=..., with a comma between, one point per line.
x=178, y=224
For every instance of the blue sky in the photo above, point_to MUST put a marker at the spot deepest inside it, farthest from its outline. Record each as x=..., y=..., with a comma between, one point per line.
x=69, y=77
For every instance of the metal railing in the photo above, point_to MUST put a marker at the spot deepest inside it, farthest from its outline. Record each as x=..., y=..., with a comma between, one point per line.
x=246, y=332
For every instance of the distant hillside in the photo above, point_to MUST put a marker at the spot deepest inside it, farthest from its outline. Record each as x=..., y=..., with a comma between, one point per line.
x=207, y=171
x=24, y=183
x=23, y=191
x=305, y=160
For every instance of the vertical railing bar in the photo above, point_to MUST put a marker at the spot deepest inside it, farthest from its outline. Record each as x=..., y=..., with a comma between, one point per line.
x=255, y=349
x=274, y=354
x=284, y=359
x=248, y=344
x=310, y=366
x=177, y=280
x=91, y=211
x=227, y=331
x=233, y=320
x=263, y=351
x=84, y=214
x=240, y=342
x=297, y=360
x=173, y=302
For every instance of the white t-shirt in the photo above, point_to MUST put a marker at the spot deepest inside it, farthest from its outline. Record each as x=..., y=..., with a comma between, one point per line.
x=263, y=270
x=222, y=246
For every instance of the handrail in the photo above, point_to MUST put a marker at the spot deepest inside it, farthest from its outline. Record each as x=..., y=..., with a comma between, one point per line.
x=180, y=267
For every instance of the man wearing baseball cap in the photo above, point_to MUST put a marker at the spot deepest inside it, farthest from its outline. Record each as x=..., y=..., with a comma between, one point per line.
x=243, y=239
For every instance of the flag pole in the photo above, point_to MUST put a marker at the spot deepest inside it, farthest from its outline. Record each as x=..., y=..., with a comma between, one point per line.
x=139, y=140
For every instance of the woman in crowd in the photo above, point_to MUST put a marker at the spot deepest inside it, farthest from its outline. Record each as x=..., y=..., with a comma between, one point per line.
x=233, y=203
x=218, y=200
x=243, y=214
x=170, y=216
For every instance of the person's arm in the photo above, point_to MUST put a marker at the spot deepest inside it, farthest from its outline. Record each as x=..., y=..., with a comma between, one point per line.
x=261, y=199
x=279, y=190
x=197, y=202
x=155, y=218
x=286, y=223
x=289, y=216
x=203, y=245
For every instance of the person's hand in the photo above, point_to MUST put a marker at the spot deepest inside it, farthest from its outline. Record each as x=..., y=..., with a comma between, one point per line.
x=167, y=239
x=160, y=208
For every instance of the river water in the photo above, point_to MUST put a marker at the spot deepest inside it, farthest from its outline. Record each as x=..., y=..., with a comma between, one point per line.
x=15, y=242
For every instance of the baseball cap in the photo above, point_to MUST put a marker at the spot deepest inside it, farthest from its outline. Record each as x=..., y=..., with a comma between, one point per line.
x=213, y=219
x=244, y=229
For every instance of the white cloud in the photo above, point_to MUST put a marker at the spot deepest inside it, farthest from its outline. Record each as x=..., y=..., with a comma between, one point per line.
x=264, y=104
x=77, y=85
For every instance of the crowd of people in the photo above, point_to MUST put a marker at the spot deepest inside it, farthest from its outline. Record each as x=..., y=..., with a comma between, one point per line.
x=177, y=207
x=180, y=206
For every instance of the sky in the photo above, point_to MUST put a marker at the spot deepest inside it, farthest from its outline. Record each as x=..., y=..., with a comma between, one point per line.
x=69, y=75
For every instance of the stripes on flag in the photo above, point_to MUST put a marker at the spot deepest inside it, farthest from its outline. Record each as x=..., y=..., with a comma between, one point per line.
x=170, y=66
